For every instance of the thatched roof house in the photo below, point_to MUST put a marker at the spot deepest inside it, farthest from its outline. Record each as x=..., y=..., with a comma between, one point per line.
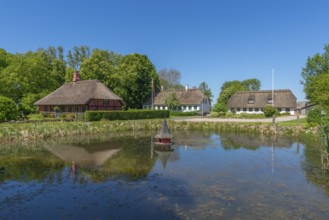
x=189, y=99
x=79, y=96
x=255, y=101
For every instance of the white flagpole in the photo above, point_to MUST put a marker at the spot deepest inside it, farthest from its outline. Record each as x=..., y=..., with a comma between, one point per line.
x=273, y=87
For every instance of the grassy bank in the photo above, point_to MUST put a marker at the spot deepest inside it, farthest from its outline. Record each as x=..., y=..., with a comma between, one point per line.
x=35, y=131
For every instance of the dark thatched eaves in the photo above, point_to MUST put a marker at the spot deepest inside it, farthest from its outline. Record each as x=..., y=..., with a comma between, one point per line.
x=185, y=97
x=259, y=99
x=79, y=93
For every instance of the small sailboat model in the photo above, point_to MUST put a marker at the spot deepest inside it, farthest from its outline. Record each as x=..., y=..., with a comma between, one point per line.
x=163, y=139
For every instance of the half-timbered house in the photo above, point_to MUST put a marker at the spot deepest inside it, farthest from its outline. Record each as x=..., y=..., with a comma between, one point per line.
x=79, y=96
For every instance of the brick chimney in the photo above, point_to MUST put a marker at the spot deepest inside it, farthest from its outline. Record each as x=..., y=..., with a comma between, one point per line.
x=76, y=77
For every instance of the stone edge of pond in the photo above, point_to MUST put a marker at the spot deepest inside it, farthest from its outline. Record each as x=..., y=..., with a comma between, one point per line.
x=43, y=131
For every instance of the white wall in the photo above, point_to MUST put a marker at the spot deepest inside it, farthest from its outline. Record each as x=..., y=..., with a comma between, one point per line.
x=253, y=111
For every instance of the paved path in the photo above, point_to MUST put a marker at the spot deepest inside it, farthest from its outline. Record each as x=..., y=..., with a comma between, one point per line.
x=279, y=119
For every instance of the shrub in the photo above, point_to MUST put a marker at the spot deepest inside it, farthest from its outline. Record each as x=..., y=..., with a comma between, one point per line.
x=269, y=111
x=220, y=107
x=229, y=114
x=314, y=117
x=214, y=114
x=176, y=113
x=8, y=109
x=126, y=115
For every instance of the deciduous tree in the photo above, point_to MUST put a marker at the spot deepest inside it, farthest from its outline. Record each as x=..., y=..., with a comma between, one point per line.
x=316, y=78
x=206, y=90
x=170, y=78
x=133, y=78
x=172, y=101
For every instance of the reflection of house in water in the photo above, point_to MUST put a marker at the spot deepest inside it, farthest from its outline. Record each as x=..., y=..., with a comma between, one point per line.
x=234, y=141
x=192, y=139
x=81, y=156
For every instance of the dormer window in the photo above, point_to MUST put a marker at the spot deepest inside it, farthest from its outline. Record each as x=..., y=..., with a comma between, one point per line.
x=251, y=99
x=269, y=101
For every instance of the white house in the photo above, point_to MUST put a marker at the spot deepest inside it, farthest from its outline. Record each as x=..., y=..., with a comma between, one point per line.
x=253, y=102
x=190, y=100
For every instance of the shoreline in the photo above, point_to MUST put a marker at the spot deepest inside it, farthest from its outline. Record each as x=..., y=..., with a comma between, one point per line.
x=43, y=131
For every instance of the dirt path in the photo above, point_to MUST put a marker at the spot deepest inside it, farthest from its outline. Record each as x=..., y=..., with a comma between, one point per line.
x=279, y=119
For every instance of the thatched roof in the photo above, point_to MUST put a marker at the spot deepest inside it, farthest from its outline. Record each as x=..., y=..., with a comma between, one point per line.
x=79, y=93
x=185, y=97
x=282, y=99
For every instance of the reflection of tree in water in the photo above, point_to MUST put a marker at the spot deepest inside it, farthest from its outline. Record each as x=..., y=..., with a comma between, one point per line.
x=231, y=141
x=96, y=158
x=312, y=165
x=28, y=163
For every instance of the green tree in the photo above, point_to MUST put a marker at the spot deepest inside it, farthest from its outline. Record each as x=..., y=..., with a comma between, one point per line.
x=132, y=79
x=269, y=111
x=8, y=109
x=4, y=59
x=251, y=84
x=77, y=55
x=172, y=101
x=316, y=78
x=101, y=65
x=206, y=90
x=314, y=117
x=230, y=87
x=27, y=73
x=28, y=100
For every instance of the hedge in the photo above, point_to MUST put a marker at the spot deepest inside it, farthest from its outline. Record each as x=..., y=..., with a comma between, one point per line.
x=126, y=115
x=177, y=113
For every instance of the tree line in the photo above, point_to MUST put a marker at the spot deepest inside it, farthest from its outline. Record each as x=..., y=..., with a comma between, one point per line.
x=27, y=77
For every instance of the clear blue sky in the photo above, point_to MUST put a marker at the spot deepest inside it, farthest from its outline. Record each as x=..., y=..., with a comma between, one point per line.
x=212, y=41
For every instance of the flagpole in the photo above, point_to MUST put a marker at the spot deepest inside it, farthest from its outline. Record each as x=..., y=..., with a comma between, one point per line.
x=152, y=93
x=273, y=87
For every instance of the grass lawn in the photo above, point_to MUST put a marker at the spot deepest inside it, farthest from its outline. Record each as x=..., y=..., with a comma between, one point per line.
x=302, y=122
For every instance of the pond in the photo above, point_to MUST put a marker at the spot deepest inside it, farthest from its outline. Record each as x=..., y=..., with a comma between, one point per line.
x=122, y=176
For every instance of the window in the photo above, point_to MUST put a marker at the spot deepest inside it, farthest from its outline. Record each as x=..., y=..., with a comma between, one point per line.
x=287, y=109
x=46, y=108
x=279, y=109
x=251, y=101
x=269, y=101
x=256, y=109
x=63, y=108
x=105, y=102
x=238, y=109
x=77, y=109
x=69, y=109
x=83, y=108
x=244, y=109
x=250, y=109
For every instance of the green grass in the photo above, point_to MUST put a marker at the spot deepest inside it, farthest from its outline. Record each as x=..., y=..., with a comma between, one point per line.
x=302, y=122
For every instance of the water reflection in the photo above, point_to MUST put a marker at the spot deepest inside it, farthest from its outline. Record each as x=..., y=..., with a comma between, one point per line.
x=80, y=156
x=204, y=176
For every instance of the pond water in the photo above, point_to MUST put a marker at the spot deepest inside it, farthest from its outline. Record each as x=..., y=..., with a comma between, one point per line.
x=206, y=176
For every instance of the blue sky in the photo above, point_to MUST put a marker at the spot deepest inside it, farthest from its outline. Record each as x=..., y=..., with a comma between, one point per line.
x=211, y=41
